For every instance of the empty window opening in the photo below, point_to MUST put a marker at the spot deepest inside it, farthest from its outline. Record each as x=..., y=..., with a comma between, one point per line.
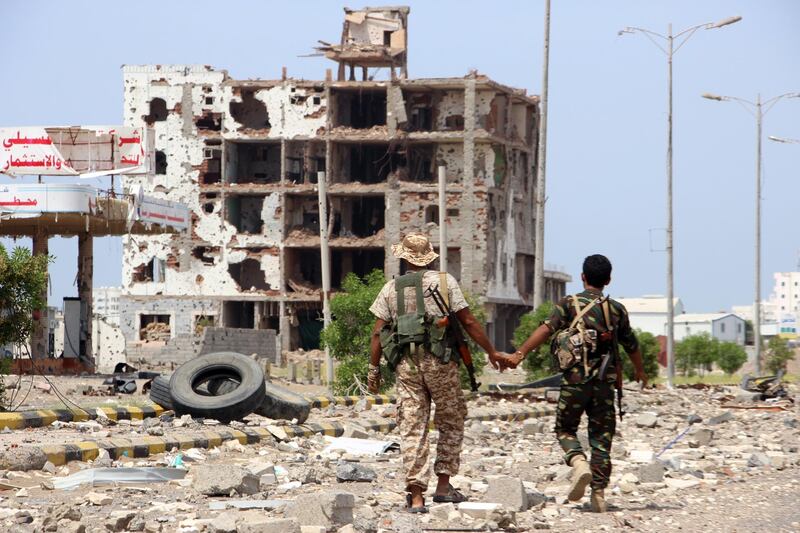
x=420, y=111
x=421, y=162
x=360, y=261
x=368, y=163
x=253, y=162
x=453, y=213
x=304, y=270
x=161, y=162
x=202, y=322
x=153, y=270
x=251, y=112
x=524, y=264
x=248, y=275
x=238, y=314
x=432, y=214
x=302, y=216
x=211, y=167
x=154, y=328
x=304, y=159
x=209, y=121
x=359, y=109
x=209, y=100
x=158, y=111
x=244, y=212
x=206, y=254
x=360, y=217
x=309, y=327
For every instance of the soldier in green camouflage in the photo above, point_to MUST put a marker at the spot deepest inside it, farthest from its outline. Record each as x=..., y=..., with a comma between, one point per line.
x=583, y=389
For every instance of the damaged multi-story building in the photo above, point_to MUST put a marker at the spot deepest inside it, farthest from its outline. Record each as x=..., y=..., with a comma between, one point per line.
x=245, y=155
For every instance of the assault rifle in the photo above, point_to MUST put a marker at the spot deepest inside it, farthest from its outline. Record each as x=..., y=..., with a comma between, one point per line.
x=456, y=336
x=613, y=358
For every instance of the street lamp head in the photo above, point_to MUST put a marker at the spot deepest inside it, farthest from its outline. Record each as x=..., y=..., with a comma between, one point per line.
x=624, y=31
x=716, y=97
x=724, y=22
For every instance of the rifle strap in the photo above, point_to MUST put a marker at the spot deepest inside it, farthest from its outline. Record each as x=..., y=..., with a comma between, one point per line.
x=445, y=292
x=580, y=313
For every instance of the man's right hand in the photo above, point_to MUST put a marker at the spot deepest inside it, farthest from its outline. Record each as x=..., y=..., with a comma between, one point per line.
x=374, y=379
x=640, y=376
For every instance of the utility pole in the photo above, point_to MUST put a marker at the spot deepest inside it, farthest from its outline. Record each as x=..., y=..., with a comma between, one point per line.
x=541, y=156
x=758, y=109
x=325, y=257
x=669, y=51
x=442, y=219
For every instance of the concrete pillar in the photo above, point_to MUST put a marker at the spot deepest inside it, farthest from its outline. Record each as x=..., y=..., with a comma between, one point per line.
x=85, y=275
x=471, y=278
x=40, y=338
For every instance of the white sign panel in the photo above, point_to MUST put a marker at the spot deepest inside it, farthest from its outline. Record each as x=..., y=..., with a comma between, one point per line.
x=22, y=201
x=87, y=151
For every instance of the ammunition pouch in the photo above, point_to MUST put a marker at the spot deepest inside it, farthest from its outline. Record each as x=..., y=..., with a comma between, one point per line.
x=572, y=345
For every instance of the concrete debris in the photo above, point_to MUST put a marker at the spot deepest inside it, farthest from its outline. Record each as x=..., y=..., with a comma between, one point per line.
x=223, y=480
x=647, y=420
x=354, y=472
x=508, y=490
x=329, y=509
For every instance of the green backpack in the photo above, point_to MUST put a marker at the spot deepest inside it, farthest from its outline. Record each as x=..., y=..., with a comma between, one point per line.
x=410, y=330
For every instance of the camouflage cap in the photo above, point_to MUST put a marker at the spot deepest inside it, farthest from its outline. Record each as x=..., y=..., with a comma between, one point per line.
x=416, y=249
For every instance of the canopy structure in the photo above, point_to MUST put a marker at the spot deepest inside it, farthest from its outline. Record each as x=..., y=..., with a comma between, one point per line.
x=41, y=210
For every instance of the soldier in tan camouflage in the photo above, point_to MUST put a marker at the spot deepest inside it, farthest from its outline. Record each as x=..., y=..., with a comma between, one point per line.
x=422, y=379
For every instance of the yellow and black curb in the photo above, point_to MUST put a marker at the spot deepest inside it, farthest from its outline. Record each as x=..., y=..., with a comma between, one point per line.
x=45, y=417
x=145, y=446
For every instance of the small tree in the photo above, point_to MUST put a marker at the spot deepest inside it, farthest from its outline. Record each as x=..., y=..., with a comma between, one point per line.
x=23, y=282
x=648, y=345
x=696, y=352
x=778, y=354
x=348, y=335
x=730, y=357
x=538, y=364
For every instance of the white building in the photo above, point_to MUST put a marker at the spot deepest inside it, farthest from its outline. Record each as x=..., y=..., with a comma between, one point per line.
x=721, y=326
x=106, y=303
x=783, y=307
x=649, y=313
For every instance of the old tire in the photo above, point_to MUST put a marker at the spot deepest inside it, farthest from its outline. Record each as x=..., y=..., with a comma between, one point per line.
x=159, y=392
x=283, y=404
x=233, y=405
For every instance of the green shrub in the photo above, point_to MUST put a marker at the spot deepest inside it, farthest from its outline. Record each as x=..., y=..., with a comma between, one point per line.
x=696, y=353
x=538, y=364
x=730, y=357
x=648, y=345
x=478, y=355
x=778, y=354
x=23, y=282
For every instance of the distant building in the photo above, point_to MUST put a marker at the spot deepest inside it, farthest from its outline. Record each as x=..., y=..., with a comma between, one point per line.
x=649, y=313
x=106, y=303
x=721, y=326
x=782, y=309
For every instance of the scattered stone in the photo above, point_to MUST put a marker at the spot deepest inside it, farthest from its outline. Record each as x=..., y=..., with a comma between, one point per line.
x=327, y=509
x=651, y=472
x=758, y=459
x=49, y=467
x=744, y=396
x=354, y=472
x=441, y=511
x=482, y=510
x=700, y=437
x=349, y=528
x=693, y=419
x=727, y=416
x=507, y=490
x=353, y=431
x=533, y=427
x=641, y=456
x=99, y=498
x=23, y=517
x=362, y=405
x=119, y=520
x=221, y=480
x=22, y=458
x=223, y=523
x=681, y=483
x=790, y=422
x=646, y=420
x=137, y=523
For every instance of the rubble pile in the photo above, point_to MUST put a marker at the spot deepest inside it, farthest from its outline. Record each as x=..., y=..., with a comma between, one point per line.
x=155, y=332
x=732, y=470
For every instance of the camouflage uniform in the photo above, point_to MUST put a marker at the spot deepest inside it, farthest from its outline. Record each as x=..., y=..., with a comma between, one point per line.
x=585, y=392
x=422, y=379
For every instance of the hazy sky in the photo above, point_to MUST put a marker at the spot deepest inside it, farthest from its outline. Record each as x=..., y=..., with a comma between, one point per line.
x=607, y=138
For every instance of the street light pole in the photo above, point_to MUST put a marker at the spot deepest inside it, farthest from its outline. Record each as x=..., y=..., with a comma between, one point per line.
x=541, y=156
x=670, y=50
x=758, y=109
